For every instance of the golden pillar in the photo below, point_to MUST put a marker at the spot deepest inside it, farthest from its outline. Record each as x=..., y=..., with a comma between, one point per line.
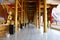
x=16, y=15
x=45, y=16
x=24, y=18
x=38, y=20
x=39, y=16
x=36, y=17
x=22, y=13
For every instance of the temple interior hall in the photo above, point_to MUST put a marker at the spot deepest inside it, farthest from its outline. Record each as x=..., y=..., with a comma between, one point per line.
x=29, y=19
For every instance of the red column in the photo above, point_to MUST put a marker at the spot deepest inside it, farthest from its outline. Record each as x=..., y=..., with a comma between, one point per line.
x=51, y=16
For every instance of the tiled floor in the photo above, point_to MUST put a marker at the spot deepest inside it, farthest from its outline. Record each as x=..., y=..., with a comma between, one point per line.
x=31, y=33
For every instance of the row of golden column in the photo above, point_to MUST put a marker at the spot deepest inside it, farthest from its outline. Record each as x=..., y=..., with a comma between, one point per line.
x=37, y=16
x=21, y=15
x=38, y=20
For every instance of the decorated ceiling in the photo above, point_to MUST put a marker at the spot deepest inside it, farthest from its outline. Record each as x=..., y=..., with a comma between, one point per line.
x=12, y=1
